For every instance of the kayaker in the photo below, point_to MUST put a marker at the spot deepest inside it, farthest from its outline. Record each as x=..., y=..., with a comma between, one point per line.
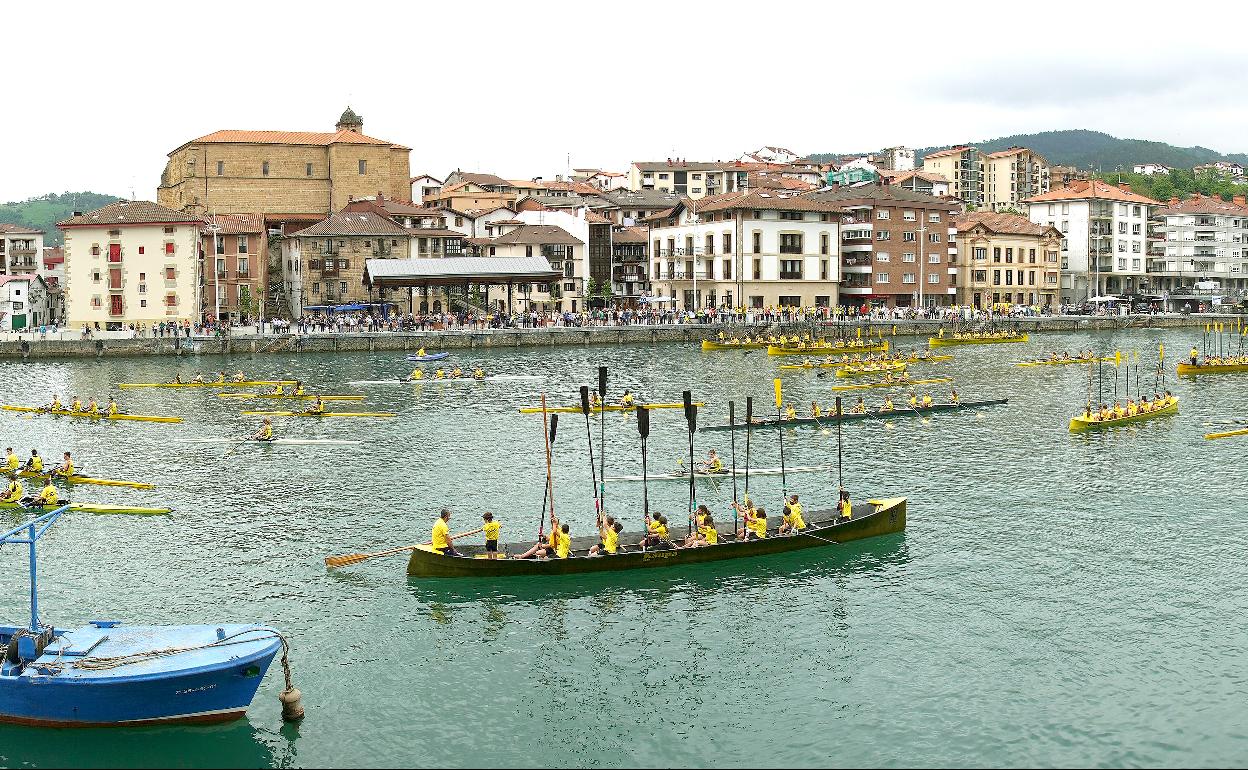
x=35, y=463
x=14, y=492
x=420, y=353
x=266, y=431
x=66, y=468
x=608, y=537
x=490, y=528
x=442, y=541
x=55, y=405
x=11, y=461
x=792, y=519
x=318, y=407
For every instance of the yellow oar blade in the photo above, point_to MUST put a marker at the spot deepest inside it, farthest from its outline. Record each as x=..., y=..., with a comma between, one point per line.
x=1228, y=434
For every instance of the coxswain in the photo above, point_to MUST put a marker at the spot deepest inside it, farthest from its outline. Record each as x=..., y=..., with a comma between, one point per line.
x=713, y=463
x=239, y=376
x=11, y=461
x=417, y=374
x=75, y=405
x=478, y=373
x=442, y=541
x=790, y=413
x=1194, y=355
x=14, y=492
x=318, y=407
x=93, y=408
x=112, y=409
x=815, y=411
x=792, y=519
x=55, y=405
x=66, y=468
x=490, y=528
x=35, y=463
x=266, y=431
x=608, y=538
x=626, y=399
x=927, y=400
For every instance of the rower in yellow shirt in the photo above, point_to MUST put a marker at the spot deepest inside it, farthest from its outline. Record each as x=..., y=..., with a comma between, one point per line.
x=112, y=407
x=278, y=390
x=220, y=378
x=792, y=519
x=440, y=374
x=927, y=400
x=790, y=413
x=318, y=407
x=75, y=405
x=239, y=376
x=417, y=374
x=93, y=408
x=563, y=542
x=441, y=540
x=14, y=492
x=66, y=468
x=815, y=411
x=608, y=538
x=490, y=528
x=266, y=431
x=713, y=463
x=48, y=496
x=457, y=373
x=299, y=389
x=35, y=463
x=55, y=405
x=420, y=353
x=756, y=525
x=844, y=506
x=478, y=373
x=11, y=461
x=914, y=401
x=888, y=404
x=626, y=399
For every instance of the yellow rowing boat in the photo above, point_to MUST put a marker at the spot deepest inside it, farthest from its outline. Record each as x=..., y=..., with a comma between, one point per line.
x=713, y=345
x=322, y=414
x=1061, y=361
x=246, y=384
x=823, y=349
x=78, y=478
x=101, y=416
x=939, y=342
x=894, y=383
x=304, y=397
x=1081, y=423
x=911, y=359
x=1228, y=433
x=607, y=408
x=857, y=371
x=1188, y=369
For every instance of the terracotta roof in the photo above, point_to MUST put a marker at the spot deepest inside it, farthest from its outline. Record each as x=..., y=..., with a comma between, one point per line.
x=426, y=176
x=771, y=200
x=353, y=223
x=877, y=192
x=1004, y=224
x=130, y=213
x=18, y=277
x=1203, y=204
x=629, y=235
x=53, y=255
x=538, y=235
x=484, y=180
x=951, y=151
x=474, y=213
x=1084, y=189
x=18, y=230
x=594, y=218
x=774, y=181
x=898, y=177
x=232, y=224
x=234, y=136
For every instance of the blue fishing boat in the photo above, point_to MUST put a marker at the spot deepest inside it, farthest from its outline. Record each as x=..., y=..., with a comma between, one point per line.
x=427, y=356
x=106, y=674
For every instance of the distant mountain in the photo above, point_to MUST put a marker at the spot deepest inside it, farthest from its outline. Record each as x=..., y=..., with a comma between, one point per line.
x=1092, y=149
x=45, y=211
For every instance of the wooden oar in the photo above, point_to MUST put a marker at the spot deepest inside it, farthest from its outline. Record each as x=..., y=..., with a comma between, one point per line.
x=602, y=444
x=355, y=558
x=643, y=430
x=732, y=434
x=589, y=438
x=691, y=417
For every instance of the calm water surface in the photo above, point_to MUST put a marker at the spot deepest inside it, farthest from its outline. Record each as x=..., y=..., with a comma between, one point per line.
x=1056, y=600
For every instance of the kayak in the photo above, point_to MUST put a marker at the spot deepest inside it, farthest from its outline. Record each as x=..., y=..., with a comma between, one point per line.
x=303, y=397
x=1079, y=423
x=78, y=478
x=726, y=473
x=272, y=442
x=875, y=415
x=1228, y=433
x=427, y=357
x=938, y=342
x=1061, y=361
x=806, y=350
x=607, y=408
x=246, y=384
x=894, y=384
x=844, y=364
x=99, y=510
x=67, y=413
x=1188, y=369
x=323, y=414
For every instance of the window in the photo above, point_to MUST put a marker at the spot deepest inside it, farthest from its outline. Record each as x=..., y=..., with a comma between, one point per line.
x=1135, y=228
x=881, y=277
x=171, y=300
x=980, y=252
x=758, y=269
x=909, y=237
x=907, y=277
x=1135, y=247
x=1135, y=211
x=1031, y=256
x=363, y=170
x=1065, y=208
x=1065, y=225
x=792, y=216
x=727, y=269
x=933, y=259
x=220, y=168
x=307, y=169
x=881, y=214
x=1009, y=277
x=140, y=249
x=823, y=243
x=996, y=253
x=883, y=235
x=908, y=256
x=114, y=252
x=727, y=243
x=264, y=168
x=242, y=267
x=790, y=243
x=933, y=217
x=758, y=243
x=1009, y=255
x=756, y=214
x=1122, y=228
x=1031, y=277
x=169, y=247
x=1051, y=209
x=114, y=233
x=935, y=238
x=823, y=269
x=790, y=269
x=881, y=256
x=171, y=273
x=996, y=277
x=710, y=243
x=242, y=244
x=933, y=277
x=142, y=302
x=219, y=244
x=95, y=250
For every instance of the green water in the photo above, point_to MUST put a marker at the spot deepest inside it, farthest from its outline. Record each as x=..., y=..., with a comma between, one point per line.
x=1056, y=600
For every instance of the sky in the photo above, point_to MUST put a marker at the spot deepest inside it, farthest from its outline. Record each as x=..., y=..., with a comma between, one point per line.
x=517, y=89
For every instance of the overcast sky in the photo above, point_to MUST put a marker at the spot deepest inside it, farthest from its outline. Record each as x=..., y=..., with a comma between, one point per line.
x=514, y=88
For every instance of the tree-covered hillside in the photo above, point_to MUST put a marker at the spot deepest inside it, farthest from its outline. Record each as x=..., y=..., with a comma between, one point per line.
x=45, y=211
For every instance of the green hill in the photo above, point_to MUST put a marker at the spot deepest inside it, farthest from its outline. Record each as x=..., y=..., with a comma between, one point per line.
x=45, y=211
x=1094, y=149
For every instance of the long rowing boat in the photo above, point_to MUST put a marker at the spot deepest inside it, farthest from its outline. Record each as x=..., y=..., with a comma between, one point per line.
x=858, y=371
x=913, y=358
x=726, y=473
x=1062, y=361
x=1227, y=433
x=806, y=350
x=871, y=519
x=272, y=442
x=712, y=345
x=78, y=478
x=894, y=383
x=68, y=413
x=606, y=408
x=942, y=342
x=1191, y=371
x=872, y=414
x=1080, y=423
x=99, y=510
x=288, y=396
x=423, y=380
x=245, y=384
x=320, y=414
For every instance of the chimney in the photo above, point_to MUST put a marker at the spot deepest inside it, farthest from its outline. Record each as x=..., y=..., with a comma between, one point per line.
x=1239, y=200
x=836, y=186
x=380, y=197
x=1124, y=186
x=77, y=213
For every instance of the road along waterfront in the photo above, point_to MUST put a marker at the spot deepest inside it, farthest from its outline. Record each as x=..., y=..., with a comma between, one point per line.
x=1056, y=599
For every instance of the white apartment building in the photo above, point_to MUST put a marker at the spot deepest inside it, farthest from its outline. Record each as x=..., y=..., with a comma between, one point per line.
x=23, y=302
x=21, y=249
x=1196, y=241
x=1150, y=169
x=1105, y=231
x=1012, y=176
x=747, y=249
x=131, y=262
x=895, y=159
x=690, y=179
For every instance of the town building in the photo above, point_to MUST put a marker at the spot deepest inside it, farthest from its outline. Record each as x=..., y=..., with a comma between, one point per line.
x=425, y=188
x=53, y=274
x=1151, y=169
x=918, y=181
x=323, y=265
x=898, y=247
x=293, y=178
x=633, y=207
x=436, y=232
x=751, y=248
x=1221, y=168
x=1011, y=176
x=463, y=191
x=629, y=265
x=20, y=249
x=895, y=159
x=852, y=174
x=769, y=154
x=1006, y=259
x=24, y=303
x=1198, y=247
x=1104, y=229
x=690, y=179
x=233, y=267
x=1063, y=176
x=601, y=179
x=964, y=168
x=131, y=262
x=564, y=251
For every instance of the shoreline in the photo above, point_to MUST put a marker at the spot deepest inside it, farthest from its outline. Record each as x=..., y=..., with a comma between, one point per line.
x=27, y=346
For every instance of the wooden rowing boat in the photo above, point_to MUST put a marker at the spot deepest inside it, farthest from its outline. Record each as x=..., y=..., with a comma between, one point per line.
x=713, y=345
x=726, y=473
x=1080, y=424
x=872, y=414
x=245, y=384
x=1062, y=361
x=101, y=416
x=1188, y=370
x=286, y=396
x=320, y=414
x=607, y=408
x=823, y=350
x=871, y=519
x=893, y=384
x=940, y=342
x=911, y=359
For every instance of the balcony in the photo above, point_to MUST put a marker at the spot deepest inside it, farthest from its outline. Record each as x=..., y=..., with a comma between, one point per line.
x=791, y=275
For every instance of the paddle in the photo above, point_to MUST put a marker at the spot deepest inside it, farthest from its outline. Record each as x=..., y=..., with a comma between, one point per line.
x=589, y=437
x=732, y=435
x=691, y=418
x=602, y=444
x=355, y=558
x=749, y=430
x=840, y=479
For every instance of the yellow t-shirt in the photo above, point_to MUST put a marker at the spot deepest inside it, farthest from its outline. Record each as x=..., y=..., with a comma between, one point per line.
x=13, y=492
x=610, y=540
x=491, y=530
x=710, y=533
x=659, y=529
x=36, y=463
x=563, y=545
x=48, y=495
x=758, y=525
x=440, y=533
x=793, y=516
x=12, y=462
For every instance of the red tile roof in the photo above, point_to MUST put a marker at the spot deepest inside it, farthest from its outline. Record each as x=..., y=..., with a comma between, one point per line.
x=1204, y=204
x=18, y=230
x=237, y=224
x=1000, y=223
x=1084, y=189
x=130, y=213
x=951, y=151
x=353, y=223
x=233, y=136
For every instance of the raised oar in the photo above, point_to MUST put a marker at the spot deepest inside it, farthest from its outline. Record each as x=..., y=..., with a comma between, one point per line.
x=593, y=470
x=691, y=418
x=840, y=479
x=355, y=558
x=547, y=494
x=643, y=430
x=732, y=434
x=749, y=422
x=784, y=486
x=602, y=444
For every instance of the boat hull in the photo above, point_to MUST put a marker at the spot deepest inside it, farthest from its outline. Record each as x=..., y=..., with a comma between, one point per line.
x=1189, y=370
x=826, y=350
x=875, y=415
x=186, y=688
x=1080, y=425
x=882, y=517
x=711, y=345
x=429, y=357
x=1065, y=361
x=244, y=384
x=944, y=342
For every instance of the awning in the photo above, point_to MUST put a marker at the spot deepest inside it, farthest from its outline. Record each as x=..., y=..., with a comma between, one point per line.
x=432, y=271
